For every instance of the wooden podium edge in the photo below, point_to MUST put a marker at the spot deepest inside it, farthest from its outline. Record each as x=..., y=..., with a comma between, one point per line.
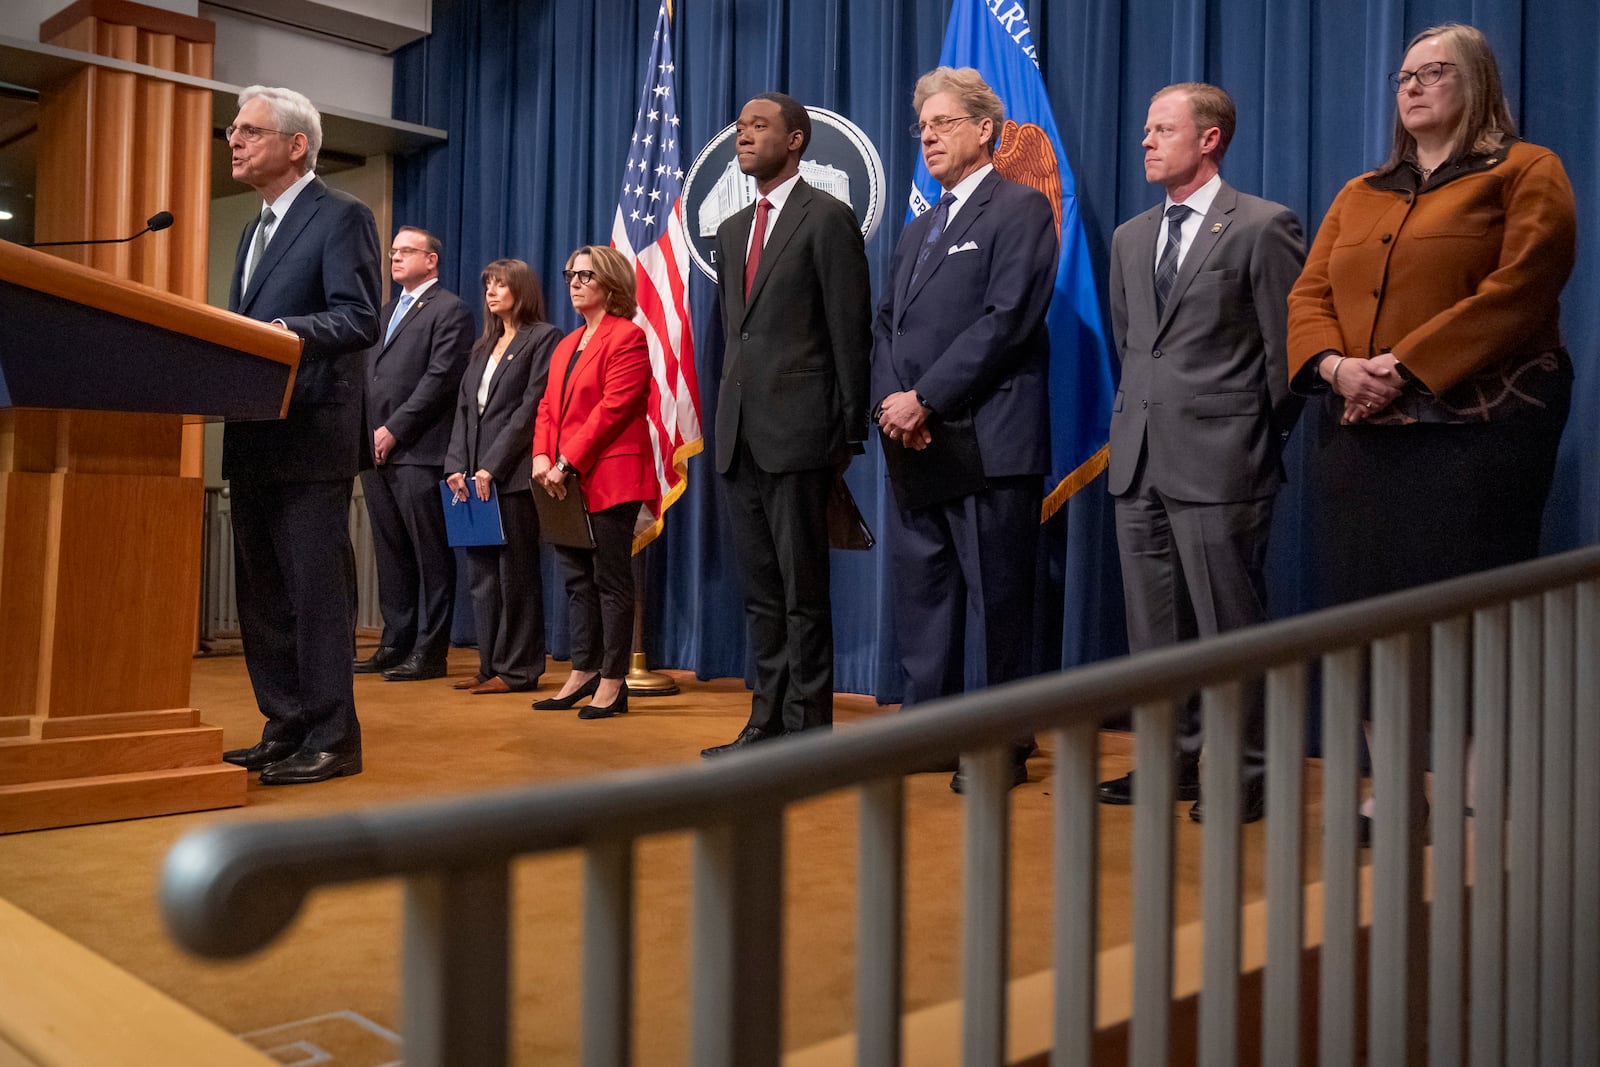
x=114, y=797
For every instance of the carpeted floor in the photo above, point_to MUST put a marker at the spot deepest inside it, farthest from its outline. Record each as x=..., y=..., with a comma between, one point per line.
x=336, y=972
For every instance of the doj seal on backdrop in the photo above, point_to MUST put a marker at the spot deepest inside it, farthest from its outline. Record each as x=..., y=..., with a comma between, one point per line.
x=840, y=160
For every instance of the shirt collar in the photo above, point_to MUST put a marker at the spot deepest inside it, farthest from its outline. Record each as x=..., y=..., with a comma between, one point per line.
x=1200, y=200
x=280, y=207
x=969, y=185
x=421, y=288
x=780, y=195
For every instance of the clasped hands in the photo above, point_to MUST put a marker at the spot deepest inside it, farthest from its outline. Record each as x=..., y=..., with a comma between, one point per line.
x=1367, y=385
x=903, y=419
x=482, y=482
x=549, y=477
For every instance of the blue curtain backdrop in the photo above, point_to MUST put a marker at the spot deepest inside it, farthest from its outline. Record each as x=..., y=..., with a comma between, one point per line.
x=539, y=97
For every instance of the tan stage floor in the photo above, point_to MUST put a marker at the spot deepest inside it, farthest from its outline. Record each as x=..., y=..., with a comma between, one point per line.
x=332, y=981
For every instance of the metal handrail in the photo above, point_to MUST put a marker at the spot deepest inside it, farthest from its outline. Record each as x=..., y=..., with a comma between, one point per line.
x=231, y=889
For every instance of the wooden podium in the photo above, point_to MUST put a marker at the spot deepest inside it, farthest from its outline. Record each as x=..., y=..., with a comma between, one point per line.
x=108, y=355
x=100, y=537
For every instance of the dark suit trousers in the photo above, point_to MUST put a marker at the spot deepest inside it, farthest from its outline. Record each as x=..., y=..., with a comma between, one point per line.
x=416, y=566
x=780, y=533
x=1195, y=570
x=972, y=557
x=296, y=585
x=508, y=597
x=600, y=592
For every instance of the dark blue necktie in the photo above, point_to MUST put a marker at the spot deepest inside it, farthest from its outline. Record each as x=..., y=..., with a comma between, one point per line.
x=941, y=215
x=1167, y=269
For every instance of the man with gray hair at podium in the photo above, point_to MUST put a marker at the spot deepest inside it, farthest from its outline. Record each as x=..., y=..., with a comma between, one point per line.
x=307, y=264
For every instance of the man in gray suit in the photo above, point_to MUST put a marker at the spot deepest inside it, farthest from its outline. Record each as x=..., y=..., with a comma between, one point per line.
x=1199, y=289
x=792, y=407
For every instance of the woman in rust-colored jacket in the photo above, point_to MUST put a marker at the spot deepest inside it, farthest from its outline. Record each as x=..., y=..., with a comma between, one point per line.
x=1428, y=315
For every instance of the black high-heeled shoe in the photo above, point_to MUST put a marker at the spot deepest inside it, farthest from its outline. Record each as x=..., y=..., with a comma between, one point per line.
x=618, y=706
x=567, y=703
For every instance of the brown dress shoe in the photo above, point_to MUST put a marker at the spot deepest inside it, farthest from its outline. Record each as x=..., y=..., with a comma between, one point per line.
x=496, y=684
x=468, y=683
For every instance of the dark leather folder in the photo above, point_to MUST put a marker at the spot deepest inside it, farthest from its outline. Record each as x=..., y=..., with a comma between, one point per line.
x=948, y=468
x=566, y=521
x=846, y=528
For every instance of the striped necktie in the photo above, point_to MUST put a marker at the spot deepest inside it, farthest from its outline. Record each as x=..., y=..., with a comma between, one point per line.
x=1167, y=269
x=258, y=247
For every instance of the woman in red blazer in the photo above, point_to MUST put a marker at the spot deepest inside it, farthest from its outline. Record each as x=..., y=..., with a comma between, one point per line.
x=591, y=428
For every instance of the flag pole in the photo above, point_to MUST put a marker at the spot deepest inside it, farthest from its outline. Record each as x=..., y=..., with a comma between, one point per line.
x=655, y=240
x=641, y=680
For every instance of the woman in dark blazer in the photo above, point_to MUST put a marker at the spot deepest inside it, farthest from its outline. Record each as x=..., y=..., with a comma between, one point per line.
x=591, y=430
x=489, y=449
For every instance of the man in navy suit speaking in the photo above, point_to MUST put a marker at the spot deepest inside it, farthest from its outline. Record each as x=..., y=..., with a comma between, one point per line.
x=959, y=392
x=308, y=264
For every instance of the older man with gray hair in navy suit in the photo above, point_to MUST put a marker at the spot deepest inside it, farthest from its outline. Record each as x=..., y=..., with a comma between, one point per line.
x=960, y=395
x=307, y=264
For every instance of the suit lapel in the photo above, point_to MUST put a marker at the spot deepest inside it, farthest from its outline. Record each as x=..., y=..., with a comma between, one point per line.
x=384, y=318
x=971, y=209
x=305, y=206
x=789, y=219
x=597, y=345
x=515, y=349
x=1141, y=275
x=1212, y=227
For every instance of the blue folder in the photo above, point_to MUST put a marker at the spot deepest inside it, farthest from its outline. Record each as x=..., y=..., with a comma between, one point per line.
x=472, y=522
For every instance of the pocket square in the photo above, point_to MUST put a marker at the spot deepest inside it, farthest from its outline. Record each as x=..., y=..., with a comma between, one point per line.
x=970, y=246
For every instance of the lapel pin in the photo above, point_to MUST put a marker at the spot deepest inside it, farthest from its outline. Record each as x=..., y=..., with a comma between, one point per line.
x=1216, y=227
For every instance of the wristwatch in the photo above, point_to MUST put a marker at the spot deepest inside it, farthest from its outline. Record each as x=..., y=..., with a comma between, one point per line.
x=567, y=470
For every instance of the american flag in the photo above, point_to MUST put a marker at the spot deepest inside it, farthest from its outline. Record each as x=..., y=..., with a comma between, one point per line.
x=648, y=229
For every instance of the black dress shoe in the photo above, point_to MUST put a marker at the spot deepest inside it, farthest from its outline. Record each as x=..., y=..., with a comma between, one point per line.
x=1019, y=775
x=619, y=706
x=382, y=659
x=1252, y=804
x=304, y=767
x=1120, y=790
x=567, y=703
x=416, y=668
x=750, y=735
x=261, y=754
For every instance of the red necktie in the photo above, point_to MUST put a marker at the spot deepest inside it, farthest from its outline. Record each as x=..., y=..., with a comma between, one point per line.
x=758, y=235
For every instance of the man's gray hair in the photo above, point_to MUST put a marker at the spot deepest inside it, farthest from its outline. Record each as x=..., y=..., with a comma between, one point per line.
x=966, y=84
x=291, y=113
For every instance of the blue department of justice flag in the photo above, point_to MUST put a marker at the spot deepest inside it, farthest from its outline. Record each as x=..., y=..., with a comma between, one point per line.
x=994, y=37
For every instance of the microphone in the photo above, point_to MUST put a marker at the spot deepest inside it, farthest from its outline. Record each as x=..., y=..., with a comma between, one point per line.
x=159, y=221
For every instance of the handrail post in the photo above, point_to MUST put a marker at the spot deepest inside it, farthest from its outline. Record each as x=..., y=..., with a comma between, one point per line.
x=608, y=954
x=1155, y=727
x=1341, y=713
x=737, y=969
x=1285, y=863
x=456, y=988
x=1220, y=873
x=880, y=921
x=1077, y=897
x=985, y=878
